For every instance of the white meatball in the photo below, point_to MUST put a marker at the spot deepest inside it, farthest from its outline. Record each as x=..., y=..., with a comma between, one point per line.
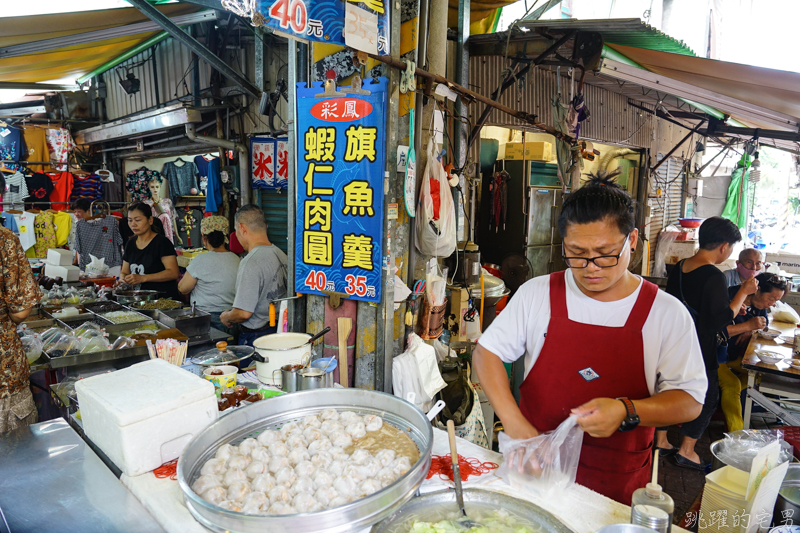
x=386, y=476
x=330, y=426
x=348, y=417
x=288, y=428
x=281, y=509
x=373, y=422
x=264, y=483
x=337, y=501
x=305, y=468
x=372, y=466
x=230, y=506
x=323, y=478
x=341, y=439
x=286, y=476
x=337, y=467
x=247, y=445
x=344, y=485
x=215, y=495
x=276, y=463
x=297, y=455
x=370, y=486
x=278, y=449
x=203, y=483
x=260, y=454
x=329, y=414
x=304, y=502
x=237, y=491
x=321, y=445
x=337, y=452
x=255, y=503
x=312, y=421
x=232, y=476
x=296, y=442
x=322, y=459
x=279, y=494
x=324, y=495
x=225, y=451
x=268, y=436
x=298, y=432
x=401, y=465
x=356, y=429
x=304, y=484
x=356, y=472
x=239, y=461
x=311, y=434
x=386, y=457
x=255, y=469
x=214, y=467
x=360, y=456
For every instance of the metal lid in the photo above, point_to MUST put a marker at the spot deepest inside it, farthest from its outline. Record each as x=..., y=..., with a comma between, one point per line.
x=223, y=354
x=492, y=286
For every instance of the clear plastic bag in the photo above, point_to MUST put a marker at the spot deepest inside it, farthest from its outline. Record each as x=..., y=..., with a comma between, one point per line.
x=739, y=448
x=435, y=236
x=32, y=344
x=546, y=464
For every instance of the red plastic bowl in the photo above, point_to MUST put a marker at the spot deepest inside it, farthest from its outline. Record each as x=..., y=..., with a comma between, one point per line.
x=690, y=222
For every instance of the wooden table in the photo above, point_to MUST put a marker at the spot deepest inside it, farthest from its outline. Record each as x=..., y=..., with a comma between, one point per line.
x=779, y=378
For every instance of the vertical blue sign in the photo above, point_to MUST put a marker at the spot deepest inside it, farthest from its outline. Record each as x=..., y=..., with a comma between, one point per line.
x=341, y=152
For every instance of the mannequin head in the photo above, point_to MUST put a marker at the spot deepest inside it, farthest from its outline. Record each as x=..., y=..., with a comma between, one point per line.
x=155, y=189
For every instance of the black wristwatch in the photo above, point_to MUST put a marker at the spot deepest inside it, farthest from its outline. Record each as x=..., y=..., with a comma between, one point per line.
x=631, y=421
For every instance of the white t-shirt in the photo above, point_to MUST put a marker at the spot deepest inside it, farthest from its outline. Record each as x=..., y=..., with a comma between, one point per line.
x=27, y=235
x=672, y=357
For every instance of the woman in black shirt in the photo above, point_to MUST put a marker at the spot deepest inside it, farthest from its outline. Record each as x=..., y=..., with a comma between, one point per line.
x=703, y=289
x=149, y=261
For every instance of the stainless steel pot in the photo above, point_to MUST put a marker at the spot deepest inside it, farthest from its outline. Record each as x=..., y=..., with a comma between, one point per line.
x=288, y=382
x=274, y=413
x=311, y=379
x=789, y=495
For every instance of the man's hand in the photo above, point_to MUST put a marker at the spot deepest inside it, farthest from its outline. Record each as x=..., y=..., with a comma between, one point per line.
x=225, y=318
x=750, y=286
x=757, y=322
x=601, y=417
x=743, y=309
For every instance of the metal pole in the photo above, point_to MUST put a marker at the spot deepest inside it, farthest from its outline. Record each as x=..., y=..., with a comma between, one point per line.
x=675, y=148
x=155, y=76
x=193, y=44
x=297, y=308
x=461, y=144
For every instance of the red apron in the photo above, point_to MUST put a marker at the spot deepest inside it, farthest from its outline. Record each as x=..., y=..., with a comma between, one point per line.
x=581, y=362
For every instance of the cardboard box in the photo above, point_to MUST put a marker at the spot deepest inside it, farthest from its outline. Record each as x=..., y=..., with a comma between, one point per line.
x=534, y=151
x=459, y=304
x=67, y=273
x=59, y=257
x=678, y=250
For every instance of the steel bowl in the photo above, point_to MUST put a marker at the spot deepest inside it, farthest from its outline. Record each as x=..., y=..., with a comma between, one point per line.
x=129, y=297
x=275, y=412
x=436, y=506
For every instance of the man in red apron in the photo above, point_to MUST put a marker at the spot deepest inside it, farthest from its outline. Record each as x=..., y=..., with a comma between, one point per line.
x=598, y=342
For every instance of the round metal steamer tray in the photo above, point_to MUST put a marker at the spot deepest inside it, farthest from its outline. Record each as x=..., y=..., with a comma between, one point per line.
x=273, y=414
x=432, y=506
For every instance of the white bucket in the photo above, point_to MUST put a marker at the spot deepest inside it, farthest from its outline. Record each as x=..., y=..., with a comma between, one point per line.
x=280, y=349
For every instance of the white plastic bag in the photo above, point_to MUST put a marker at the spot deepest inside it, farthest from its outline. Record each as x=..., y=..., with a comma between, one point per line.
x=435, y=237
x=783, y=312
x=545, y=464
x=96, y=267
x=417, y=371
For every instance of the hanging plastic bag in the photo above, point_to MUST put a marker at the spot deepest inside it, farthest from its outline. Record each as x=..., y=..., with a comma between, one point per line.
x=436, y=235
x=416, y=371
x=545, y=464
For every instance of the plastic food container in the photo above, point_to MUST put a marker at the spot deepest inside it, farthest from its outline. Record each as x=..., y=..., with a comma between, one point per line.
x=226, y=380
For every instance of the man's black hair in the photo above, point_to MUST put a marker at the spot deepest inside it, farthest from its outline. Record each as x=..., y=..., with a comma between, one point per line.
x=716, y=231
x=599, y=199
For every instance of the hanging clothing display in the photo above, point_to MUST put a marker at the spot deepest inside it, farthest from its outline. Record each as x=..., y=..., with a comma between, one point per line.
x=63, y=223
x=10, y=146
x=165, y=212
x=11, y=223
x=35, y=148
x=101, y=238
x=27, y=233
x=60, y=144
x=71, y=238
x=86, y=187
x=45, y=230
x=39, y=188
x=182, y=179
x=111, y=186
x=16, y=189
x=136, y=183
x=63, y=183
x=209, y=169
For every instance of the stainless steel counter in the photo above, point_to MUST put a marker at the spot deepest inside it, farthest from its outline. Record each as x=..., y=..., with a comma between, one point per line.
x=51, y=481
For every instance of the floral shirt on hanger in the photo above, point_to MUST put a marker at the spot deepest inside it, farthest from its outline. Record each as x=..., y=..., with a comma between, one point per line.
x=136, y=183
x=45, y=229
x=60, y=143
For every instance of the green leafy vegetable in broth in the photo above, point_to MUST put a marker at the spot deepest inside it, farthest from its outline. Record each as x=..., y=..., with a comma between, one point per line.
x=493, y=522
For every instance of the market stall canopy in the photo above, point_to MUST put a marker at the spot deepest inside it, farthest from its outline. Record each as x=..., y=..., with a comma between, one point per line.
x=73, y=36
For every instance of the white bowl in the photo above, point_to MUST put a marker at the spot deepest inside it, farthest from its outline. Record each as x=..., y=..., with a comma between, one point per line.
x=769, y=358
x=795, y=363
x=770, y=334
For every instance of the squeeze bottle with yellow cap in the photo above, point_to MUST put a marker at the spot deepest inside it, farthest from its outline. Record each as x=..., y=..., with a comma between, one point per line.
x=652, y=507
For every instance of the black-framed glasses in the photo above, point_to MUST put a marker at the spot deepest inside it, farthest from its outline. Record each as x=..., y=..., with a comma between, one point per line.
x=602, y=261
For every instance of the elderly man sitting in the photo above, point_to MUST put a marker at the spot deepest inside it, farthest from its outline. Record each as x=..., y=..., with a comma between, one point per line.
x=749, y=265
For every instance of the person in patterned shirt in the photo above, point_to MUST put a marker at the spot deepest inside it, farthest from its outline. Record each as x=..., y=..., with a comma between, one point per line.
x=19, y=292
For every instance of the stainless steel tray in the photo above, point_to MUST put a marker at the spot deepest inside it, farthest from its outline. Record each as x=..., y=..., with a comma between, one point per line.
x=436, y=506
x=274, y=413
x=95, y=357
x=190, y=324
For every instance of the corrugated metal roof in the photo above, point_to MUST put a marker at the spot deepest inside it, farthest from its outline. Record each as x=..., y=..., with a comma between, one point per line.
x=627, y=32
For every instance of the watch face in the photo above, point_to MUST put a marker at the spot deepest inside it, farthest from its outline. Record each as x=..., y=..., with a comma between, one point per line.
x=629, y=423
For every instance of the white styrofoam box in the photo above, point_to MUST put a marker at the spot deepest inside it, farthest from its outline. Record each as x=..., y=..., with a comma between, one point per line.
x=677, y=250
x=146, y=414
x=67, y=273
x=787, y=262
x=59, y=257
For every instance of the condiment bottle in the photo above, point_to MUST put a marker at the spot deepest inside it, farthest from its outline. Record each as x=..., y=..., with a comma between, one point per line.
x=652, y=507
